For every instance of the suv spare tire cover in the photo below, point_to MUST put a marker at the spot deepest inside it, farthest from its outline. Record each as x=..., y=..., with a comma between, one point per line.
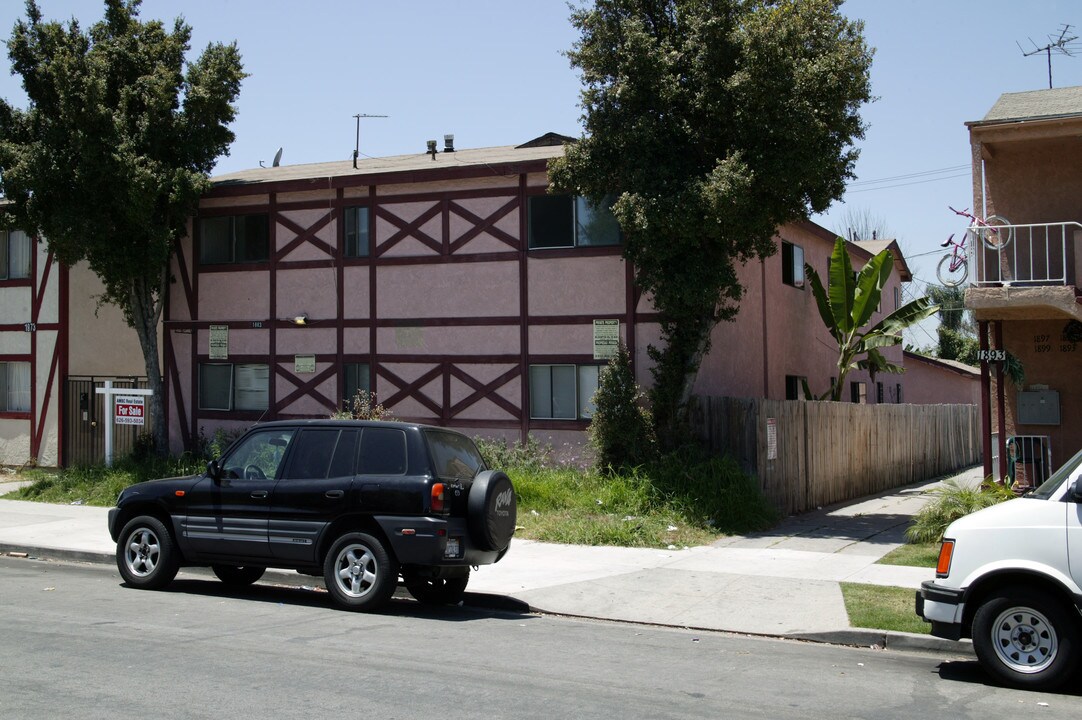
x=492, y=510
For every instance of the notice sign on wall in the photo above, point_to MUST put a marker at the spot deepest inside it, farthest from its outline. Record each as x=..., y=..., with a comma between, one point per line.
x=771, y=439
x=219, y=342
x=606, y=339
x=304, y=363
x=128, y=409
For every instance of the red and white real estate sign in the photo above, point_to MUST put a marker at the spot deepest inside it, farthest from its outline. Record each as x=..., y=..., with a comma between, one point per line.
x=128, y=410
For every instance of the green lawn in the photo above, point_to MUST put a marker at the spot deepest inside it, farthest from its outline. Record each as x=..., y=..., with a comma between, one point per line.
x=882, y=608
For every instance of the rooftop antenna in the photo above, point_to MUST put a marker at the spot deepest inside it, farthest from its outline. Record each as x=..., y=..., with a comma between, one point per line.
x=1061, y=44
x=357, y=146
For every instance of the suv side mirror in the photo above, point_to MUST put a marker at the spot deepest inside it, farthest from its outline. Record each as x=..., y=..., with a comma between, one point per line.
x=214, y=471
x=1074, y=494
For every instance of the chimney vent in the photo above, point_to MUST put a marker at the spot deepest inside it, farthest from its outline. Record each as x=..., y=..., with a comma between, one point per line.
x=448, y=143
x=431, y=149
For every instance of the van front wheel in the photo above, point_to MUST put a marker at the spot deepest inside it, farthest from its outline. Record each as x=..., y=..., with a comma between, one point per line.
x=1026, y=638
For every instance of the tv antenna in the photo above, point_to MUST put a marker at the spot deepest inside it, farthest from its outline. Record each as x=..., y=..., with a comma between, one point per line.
x=357, y=146
x=1062, y=44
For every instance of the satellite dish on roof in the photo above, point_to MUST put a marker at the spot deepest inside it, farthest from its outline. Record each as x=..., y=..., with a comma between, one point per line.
x=277, y=158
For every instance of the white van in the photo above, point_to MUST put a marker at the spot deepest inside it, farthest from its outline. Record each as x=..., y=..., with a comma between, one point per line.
x=1010, y=577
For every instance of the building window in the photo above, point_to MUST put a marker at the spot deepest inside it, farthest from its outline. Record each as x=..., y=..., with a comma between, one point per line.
x=563, y=221
x=15, y=248
x=897, y=297
x=898, y=393
x=14, y=387
x=792, y=264
x=356, y=379
x=562, y=392
x=858, y=392
x=234, y=239
x=794, y=387
x=356, y=232
x=224, y=386
x=879, y=392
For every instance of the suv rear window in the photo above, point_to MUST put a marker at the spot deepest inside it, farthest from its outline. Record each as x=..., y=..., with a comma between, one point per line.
x=383, y=451
x=454, y=455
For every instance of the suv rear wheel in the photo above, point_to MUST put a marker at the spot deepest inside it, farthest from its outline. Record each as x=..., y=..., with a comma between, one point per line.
x=359, y=572
x=1025, y=638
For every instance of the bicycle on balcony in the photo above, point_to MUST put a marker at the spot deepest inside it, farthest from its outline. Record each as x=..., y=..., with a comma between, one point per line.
x=995, y=234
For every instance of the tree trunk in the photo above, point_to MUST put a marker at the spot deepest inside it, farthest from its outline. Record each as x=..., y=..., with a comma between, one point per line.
x=674, y=378
x=146, y=308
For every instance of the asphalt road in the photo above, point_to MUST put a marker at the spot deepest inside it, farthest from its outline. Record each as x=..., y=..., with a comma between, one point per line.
x=75, y=643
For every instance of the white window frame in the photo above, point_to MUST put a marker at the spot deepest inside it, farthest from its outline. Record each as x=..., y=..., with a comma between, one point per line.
x=249, y=387
x=15, y=386
x=15, y=247
x=586, y=379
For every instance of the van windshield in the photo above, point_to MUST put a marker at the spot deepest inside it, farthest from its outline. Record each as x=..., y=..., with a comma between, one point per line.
x=1048, y=487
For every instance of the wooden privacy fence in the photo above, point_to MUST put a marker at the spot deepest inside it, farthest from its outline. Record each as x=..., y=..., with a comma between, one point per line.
x=810, y=454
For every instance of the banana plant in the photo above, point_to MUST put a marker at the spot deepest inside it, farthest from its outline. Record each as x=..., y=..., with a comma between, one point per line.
x=846, y=309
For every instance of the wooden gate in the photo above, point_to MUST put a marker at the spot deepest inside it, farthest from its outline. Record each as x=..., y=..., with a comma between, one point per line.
x=84, y=421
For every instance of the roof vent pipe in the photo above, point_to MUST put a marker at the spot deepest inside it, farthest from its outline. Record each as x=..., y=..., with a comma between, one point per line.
x=431, y=149
x=448, y=143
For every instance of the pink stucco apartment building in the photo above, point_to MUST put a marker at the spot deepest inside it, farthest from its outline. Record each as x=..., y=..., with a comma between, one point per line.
x=455, y=287
x=1025, y=282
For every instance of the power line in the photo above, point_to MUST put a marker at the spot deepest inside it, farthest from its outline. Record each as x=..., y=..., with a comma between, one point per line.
x=915, y=182
x=907, y=176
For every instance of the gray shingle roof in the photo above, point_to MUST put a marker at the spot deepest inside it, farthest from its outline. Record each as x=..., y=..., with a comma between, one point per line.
x=398, y=163
x=1034, y=105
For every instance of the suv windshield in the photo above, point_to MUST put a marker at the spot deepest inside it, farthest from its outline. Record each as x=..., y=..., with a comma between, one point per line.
x=1045, y=490
x=454, y=455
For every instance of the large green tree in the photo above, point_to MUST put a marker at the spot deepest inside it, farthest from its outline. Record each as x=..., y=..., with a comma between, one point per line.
x=847, y=306
x=109, y=159
x=714, y=122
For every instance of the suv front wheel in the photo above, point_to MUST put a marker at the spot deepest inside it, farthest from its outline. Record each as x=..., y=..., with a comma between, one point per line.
x=359, y=572
x=146, y=555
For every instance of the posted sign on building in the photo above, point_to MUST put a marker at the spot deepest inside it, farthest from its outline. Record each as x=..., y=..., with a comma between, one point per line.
x=128, y=410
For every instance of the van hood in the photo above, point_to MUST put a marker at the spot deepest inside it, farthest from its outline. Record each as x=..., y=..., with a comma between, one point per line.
x=1020, y=512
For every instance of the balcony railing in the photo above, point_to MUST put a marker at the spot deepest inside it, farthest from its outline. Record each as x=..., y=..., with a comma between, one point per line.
x=1025, y=255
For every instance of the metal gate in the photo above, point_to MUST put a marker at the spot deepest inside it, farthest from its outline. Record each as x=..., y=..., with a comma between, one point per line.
x=84, y=418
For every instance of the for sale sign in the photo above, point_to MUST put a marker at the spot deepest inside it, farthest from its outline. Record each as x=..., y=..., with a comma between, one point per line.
x=128, y=410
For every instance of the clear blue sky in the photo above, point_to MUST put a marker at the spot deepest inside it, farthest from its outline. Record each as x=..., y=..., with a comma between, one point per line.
x=492, y=73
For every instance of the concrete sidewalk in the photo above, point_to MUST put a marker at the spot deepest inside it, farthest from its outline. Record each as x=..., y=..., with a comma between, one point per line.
x=784, y=582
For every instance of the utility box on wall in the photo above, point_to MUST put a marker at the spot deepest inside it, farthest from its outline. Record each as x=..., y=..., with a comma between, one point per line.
x=1038, y=407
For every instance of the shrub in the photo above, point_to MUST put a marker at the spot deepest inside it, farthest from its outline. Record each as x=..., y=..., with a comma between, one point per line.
x=501, y=455
x=363, y=406
x=951, y=502
x=621, y=431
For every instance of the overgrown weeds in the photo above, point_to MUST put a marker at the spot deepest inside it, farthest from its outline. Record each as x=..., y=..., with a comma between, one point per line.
x=684, y=498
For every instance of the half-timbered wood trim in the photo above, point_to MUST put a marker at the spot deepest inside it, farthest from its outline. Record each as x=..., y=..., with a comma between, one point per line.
x=523, y=310
x=303, y=388
x=412, y=389
x=303, y=235
x=481, y=225
x=483, y=391
x=411, y=229
x=173, y=381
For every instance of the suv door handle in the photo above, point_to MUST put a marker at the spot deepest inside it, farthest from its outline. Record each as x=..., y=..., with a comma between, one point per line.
x=334, y=494
x=259, y=494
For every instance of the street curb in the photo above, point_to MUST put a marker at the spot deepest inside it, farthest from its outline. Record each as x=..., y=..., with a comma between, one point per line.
x=854, y=637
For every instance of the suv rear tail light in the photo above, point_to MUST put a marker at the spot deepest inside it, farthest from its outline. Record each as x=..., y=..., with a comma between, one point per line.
x=437, y=498
x=946, y=552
